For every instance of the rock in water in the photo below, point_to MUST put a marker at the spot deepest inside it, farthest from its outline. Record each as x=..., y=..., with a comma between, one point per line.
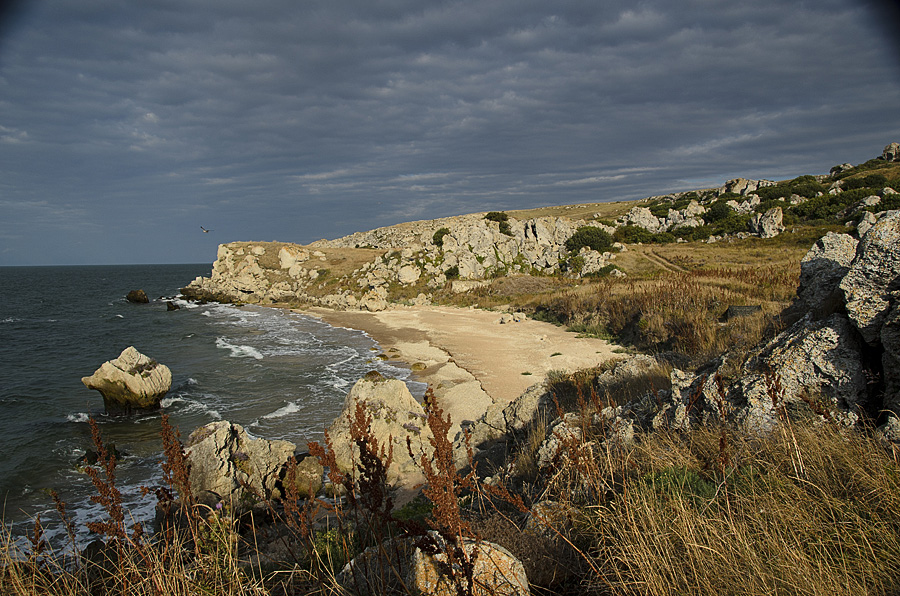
x=132, y=382
x=138, y=297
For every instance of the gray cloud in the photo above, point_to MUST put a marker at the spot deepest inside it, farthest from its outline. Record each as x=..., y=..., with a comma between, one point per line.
x=298, y=120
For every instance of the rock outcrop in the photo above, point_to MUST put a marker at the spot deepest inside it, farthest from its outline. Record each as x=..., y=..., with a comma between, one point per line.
x=227, y=464
x=822, y=270
x=401, y=565
x=891, y=152
x=743, y=186
x=130, y=383
x=874, y=277
x=395, y=417
x=768, y=224
x=840, y=359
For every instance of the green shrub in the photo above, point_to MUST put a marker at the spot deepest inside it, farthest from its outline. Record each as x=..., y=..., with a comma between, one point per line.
x=873, y=181
x=888, y=203
x=438, y=237
x=827, y=206
x=805, y=186
x=605, y=271
x=732, y=224
x=632, y=235
x=452, y=272
x=691, y=234
x=590, y=236
x=502, y=219
x=717, y=211
x=660, y=209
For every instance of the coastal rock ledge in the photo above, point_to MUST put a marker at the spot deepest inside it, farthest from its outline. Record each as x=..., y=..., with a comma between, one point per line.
x=132, y=382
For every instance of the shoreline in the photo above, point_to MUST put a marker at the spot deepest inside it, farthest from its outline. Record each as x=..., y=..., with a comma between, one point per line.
x=467, y=356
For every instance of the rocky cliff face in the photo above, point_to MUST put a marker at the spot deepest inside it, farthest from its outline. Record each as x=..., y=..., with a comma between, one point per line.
x=468, y=247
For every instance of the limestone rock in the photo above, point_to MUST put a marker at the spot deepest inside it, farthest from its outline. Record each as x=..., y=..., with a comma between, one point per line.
x=865, y=224
x=399, y=566
x=497, y=572
x=131, y=382
x=822, y=270
x=768, y=225
x=817, y=358
x=374, y=300
x=409, y=274
x=873, y=276
x=563, y=433
x=841, y=168
x=891, y=152
x=643, y=218
x=743, y=186
x=395, y=415
x=223, y=459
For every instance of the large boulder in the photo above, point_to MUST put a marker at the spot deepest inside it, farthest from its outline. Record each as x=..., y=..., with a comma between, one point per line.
x=818, y=360
x=395, y=416
x=822, y=270
x=873, y=277
x=132, y=382
x=891, y=152
x=400, y=566
x=769, y=224
x=890, y=339
x=227, y=464
x=643, y=218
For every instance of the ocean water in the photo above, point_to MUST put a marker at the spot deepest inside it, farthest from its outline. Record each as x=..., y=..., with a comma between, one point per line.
x=279, y=374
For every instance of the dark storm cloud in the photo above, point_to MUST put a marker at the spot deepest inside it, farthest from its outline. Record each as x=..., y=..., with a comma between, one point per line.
x=131, y=124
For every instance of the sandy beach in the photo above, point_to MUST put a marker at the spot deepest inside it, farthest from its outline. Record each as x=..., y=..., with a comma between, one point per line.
x=468, y=356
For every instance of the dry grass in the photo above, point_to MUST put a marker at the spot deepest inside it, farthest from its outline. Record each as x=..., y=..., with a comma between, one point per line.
x=678, y=525
x=678, y=313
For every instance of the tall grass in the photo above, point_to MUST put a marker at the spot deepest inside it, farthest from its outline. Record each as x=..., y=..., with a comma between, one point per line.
x=680, y=313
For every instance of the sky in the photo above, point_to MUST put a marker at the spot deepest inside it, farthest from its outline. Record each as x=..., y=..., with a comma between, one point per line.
x=126, y=126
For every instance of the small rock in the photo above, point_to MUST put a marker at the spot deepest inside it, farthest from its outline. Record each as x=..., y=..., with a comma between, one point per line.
x=137, y=297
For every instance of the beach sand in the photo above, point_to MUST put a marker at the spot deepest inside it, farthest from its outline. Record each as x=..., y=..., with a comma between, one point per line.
x=467, y=356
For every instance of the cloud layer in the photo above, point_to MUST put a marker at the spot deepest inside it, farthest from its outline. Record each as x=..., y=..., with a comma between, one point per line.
x=126, y=126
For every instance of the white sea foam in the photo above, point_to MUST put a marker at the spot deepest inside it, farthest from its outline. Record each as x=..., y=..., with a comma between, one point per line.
x=186, y=405
x=78, y=417
x=10, y=320
x=290, y=408
x=239, y=351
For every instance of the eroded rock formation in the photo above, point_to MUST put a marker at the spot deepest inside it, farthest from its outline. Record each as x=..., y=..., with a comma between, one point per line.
x=132, y=382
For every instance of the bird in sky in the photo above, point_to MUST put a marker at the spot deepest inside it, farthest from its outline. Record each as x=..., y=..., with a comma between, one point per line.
x=205, y=231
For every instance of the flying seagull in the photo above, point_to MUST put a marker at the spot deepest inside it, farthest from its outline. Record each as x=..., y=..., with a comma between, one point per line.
x=205, y=231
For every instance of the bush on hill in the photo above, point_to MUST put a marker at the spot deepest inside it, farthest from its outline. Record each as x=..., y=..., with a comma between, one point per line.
x=502, y=220
x=438, y=237
x=591, y=237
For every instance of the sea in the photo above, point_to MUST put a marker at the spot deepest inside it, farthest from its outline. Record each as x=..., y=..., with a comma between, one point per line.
x=279, y=374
